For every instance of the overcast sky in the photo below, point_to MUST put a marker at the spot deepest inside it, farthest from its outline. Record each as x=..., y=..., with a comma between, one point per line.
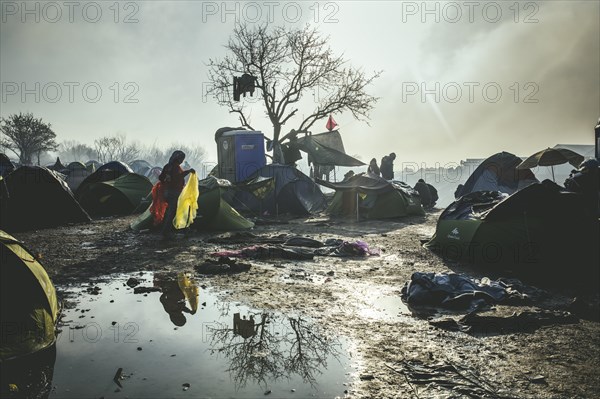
x=496, y=77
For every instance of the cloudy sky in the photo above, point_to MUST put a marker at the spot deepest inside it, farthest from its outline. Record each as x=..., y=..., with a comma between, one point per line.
x=460, y=79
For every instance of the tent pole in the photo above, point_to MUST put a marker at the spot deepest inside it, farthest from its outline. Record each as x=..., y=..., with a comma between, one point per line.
x=554, y=180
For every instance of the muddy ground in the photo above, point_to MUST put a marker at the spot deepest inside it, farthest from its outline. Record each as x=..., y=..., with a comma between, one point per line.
x=345, y=296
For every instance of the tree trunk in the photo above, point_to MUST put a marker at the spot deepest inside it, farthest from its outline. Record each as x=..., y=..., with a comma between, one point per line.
x=277, y=153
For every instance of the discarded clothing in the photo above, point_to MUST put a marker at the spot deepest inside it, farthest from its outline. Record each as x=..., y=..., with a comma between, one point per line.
x=357, y=248
x=451, y=290
x=303, y=242
x=495, y=325
x=222, y=266
x=268, y=252
x=332, y=247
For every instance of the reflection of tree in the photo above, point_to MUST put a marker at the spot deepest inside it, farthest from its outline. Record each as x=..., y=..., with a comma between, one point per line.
x=280, y=348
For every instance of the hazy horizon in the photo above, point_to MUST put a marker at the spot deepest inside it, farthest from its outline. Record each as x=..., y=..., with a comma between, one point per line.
x=543, y=56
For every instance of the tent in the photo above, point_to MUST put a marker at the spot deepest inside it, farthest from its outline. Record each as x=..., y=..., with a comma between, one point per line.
x=124, y=195
x=293, y=193
x=57, y=166
x=92, y=165
x=106, y=172
x=76, y=165
x=140, y=166
x=498, y=173
x=29, y=305
x=6, y=166
x=38, y=198
x=153, y=174
x=539, y=225
x=214, y=212
x=377, y=198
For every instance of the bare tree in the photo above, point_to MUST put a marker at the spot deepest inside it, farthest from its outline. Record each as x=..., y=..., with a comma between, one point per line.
x=288, y=63
x=71, y=150
x=116, y=148
x=26, y=136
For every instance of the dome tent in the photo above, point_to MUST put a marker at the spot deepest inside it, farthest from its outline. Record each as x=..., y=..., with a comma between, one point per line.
x=293, y=192
x=535, y=228
x=377, y=198
x=124, y=195
x=38, y=198
x=498, y=173
x=28, y=301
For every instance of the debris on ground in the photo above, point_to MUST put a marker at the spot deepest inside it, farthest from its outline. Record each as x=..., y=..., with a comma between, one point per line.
x=223, y=265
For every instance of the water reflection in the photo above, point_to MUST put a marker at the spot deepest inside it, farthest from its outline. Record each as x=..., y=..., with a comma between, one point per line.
x=175, y=291
x=226, y=349
x=276, y=347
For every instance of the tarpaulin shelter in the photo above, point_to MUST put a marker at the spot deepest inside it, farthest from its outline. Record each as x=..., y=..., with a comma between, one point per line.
x=498, y=173
x=38, y=198
x=372, y=197
x=292, y=192
x=326, y=149
x=115, y=197
x=6, y=166
x=29, y=305
x=539, y=225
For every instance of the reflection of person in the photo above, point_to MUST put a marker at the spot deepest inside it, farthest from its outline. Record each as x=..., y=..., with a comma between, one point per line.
x=387, y=166
x=373, y=168
x=173, y=177
x=173, y=300
x=243, y=327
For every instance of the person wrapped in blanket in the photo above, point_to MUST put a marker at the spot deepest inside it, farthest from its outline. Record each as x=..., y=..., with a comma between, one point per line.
x=172, y=178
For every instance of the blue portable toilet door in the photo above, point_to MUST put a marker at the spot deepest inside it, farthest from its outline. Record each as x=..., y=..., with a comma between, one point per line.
x=249, y=155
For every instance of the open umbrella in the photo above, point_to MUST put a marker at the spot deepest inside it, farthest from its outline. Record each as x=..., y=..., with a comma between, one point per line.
x=551, y=157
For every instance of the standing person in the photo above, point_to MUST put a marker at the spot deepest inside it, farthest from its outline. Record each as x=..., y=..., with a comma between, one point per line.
x=373, y=168
x=387, y=166
x=424, y=193
x=173, y=177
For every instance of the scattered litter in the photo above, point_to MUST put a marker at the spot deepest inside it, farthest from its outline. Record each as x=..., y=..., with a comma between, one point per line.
x=132, y=282
x=223, y=265
x=145, y=290
x=186, y=386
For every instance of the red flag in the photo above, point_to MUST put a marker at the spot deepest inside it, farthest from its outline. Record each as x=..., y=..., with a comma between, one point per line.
x=330, y=123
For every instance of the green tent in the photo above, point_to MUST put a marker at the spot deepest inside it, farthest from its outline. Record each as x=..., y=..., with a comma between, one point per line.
x=538, y=225
x=214, y=213
x=29, y=306
x=377, y=198
x=123, y=195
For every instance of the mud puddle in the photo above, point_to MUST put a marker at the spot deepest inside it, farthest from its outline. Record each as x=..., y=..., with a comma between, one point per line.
x=187, y=341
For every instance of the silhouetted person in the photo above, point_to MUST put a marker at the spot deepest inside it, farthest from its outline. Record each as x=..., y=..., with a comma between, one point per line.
x=173, y=177
x=434, y=194
x=373, y=168
x=387, y=166
x=458, y=190
x=423, y=190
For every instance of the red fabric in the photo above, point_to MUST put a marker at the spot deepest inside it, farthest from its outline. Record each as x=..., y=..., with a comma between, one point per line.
x=331, y=123
x=159, y=204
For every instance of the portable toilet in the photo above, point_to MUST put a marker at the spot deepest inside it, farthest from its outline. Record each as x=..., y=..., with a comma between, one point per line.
x=240, y=153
